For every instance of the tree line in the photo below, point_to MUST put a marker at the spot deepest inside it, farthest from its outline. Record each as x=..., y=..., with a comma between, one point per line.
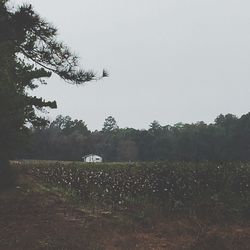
x=227, y=139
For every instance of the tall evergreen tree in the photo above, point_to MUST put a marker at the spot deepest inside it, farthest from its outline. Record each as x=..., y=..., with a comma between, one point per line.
x=29, y=53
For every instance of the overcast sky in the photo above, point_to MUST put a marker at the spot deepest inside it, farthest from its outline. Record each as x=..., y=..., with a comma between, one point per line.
x=169, y=60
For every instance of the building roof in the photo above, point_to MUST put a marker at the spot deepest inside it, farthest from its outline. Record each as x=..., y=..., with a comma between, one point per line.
x=91, y=155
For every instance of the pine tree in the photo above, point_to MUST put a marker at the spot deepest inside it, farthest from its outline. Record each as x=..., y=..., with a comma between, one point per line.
x=29, y=53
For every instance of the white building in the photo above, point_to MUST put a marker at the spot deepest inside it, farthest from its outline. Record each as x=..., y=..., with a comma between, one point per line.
x=92, y=158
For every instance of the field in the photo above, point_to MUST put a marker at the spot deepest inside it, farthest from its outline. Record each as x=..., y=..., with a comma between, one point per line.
x=70, y=205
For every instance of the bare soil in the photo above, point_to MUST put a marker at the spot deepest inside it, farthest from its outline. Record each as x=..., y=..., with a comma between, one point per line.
x=35, y=217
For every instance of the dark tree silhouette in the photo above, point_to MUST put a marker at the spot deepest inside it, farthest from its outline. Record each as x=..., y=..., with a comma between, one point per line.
x=227, y=139
x=29, y=53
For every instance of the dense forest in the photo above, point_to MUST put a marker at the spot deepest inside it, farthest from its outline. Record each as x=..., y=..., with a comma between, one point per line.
x=227, y=139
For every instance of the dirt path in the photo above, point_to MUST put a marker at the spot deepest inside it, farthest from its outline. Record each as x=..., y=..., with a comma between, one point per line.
x=32, y=217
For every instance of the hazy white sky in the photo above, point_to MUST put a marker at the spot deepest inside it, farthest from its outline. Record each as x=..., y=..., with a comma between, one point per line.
x=169, y=60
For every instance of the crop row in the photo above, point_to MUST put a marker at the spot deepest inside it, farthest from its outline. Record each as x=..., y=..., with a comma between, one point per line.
x=179, y=186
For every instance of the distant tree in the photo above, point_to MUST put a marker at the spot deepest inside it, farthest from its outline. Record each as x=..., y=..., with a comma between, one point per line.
x=110, y=124
x=60, y=122
x=226, y=121
x=68, y=126
x=30, y=53
x=155, y=126
x=64, y=139
x=241, y=139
